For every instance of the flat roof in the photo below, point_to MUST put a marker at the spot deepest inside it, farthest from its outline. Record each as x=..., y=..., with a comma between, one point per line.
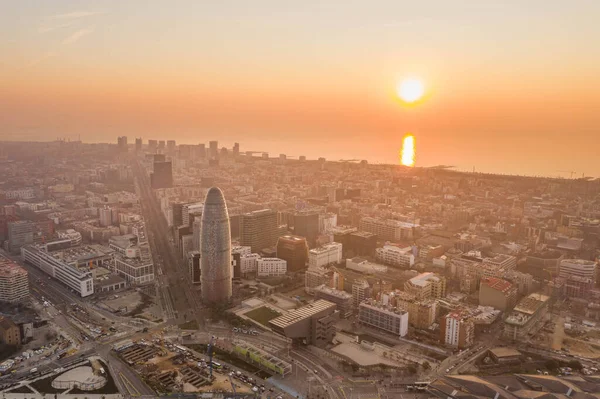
x=505, y=352
x=422, y=279
x=302, y=313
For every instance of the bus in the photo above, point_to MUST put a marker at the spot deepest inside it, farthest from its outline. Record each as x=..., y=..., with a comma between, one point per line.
x=216, y=365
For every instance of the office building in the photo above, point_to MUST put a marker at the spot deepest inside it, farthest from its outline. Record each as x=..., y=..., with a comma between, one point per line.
x=213, y=149
x=193, y=258
x=502, y=262
x=177, y=212
x=236, y=149
x=396, y=256
x=341, y=234
x=497, y=293
x=580, y=276
x=294, y=250
x=161, y=145
x=342, y=299
x=306, y=224
x=10, y=334
x=138, y=144
x=385, y=318
x=258, y=229
x=14, y=282
x=457, y=330
x=162, y=177
x=327, y=254
x=122, y=143
x=387, y=229
x=105, y=215
x=197, y=233
x=315, y=277
x=271, y=267
x=312, y=324
x=75, y=275
x=361, y=291
x=73, y=236
x=152, y=146
x=362, y=243
x=191, y=211
x=134, y=270
x=20, y=233
x=249, y=263
x=525, y=319
x=171, y=145
x=426, y=285
x=215, y=249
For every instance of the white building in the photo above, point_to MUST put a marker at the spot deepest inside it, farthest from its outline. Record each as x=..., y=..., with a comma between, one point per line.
x=249, y=263
x=327, y=221
x=382, y=317
x=77, y=277
x=134, y=270
x=361, y=291
x=20, y=193
x=70, y=234
x=578, y=268
x=506, y=262
x=388, y=229
x=393, y=255
x=325, y=255
x=105, y=214
x=271, y=267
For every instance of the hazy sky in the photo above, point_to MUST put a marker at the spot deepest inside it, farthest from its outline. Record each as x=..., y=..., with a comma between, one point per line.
x=512, y=85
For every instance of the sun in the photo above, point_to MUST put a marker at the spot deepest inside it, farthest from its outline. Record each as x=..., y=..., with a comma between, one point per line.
x=410, y=90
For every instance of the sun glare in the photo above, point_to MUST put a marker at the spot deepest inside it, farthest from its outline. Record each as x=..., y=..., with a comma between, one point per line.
x=411, y=90
x=407, y=153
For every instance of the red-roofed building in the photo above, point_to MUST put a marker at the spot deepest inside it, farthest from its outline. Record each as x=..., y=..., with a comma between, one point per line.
x=498, y=293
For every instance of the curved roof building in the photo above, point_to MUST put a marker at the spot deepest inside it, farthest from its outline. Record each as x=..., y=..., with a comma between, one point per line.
x=215, y=249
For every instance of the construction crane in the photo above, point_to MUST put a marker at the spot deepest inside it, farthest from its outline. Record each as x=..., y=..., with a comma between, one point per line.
x=209, y=352
x=232, y=384
x=572, y=172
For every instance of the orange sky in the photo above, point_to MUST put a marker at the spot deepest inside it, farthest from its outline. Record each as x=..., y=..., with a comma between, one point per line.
x=510, y=88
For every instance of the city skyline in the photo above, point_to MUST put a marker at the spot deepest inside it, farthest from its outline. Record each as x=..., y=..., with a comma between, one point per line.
x=502, y=78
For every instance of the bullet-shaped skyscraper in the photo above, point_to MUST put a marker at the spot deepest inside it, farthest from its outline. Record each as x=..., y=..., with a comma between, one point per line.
x=215, y=249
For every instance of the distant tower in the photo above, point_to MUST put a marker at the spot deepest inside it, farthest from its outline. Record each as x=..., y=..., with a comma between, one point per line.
x=215, y=249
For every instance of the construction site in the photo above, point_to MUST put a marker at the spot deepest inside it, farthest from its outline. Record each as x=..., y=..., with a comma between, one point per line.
x=168, y=367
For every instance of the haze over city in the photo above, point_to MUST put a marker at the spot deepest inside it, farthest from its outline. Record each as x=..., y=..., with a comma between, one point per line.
x=300, y=200
x=313, y=77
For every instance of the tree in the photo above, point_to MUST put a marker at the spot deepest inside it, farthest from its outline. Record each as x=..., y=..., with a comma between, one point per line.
x=426, y=365
x=551, y=364
x=575, y=364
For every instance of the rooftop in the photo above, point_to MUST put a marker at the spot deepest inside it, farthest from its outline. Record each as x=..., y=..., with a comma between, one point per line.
x=423, y=279
x=304, y=312
x=8, y=268
x=333, y=292
x=497, y=284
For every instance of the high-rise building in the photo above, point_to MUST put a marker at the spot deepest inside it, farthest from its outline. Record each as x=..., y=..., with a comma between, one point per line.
x=105, y=215
x=388, y=230
x=294, y=251
x=152, y=146
x=171, y=145
x=162, y=176
x=258, y=229
x=580, y=276
x=161, y=145
x=236, y=150
x=197, y=233
x=20, y=233
x=216, y=273
x=14, y=284
x=177, y=213
x=362, y=243
x=138, y=144
x=361, y=291
x=457, y=330
x=194, y=266
x=201, y=151
x=122, y=143
x=213, y=149
x=306, y=224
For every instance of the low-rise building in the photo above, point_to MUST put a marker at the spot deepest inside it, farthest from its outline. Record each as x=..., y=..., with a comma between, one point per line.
x=497, y=293
x=315, y=277
x=325, y=255
x=249, y=263
x=271, y=267
x=525, y=319
x=311, y=324
x=396, y=256
x=134, y=270
x=9, y=332
x=382, y=317
x=75, y=275
x=421, y=313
